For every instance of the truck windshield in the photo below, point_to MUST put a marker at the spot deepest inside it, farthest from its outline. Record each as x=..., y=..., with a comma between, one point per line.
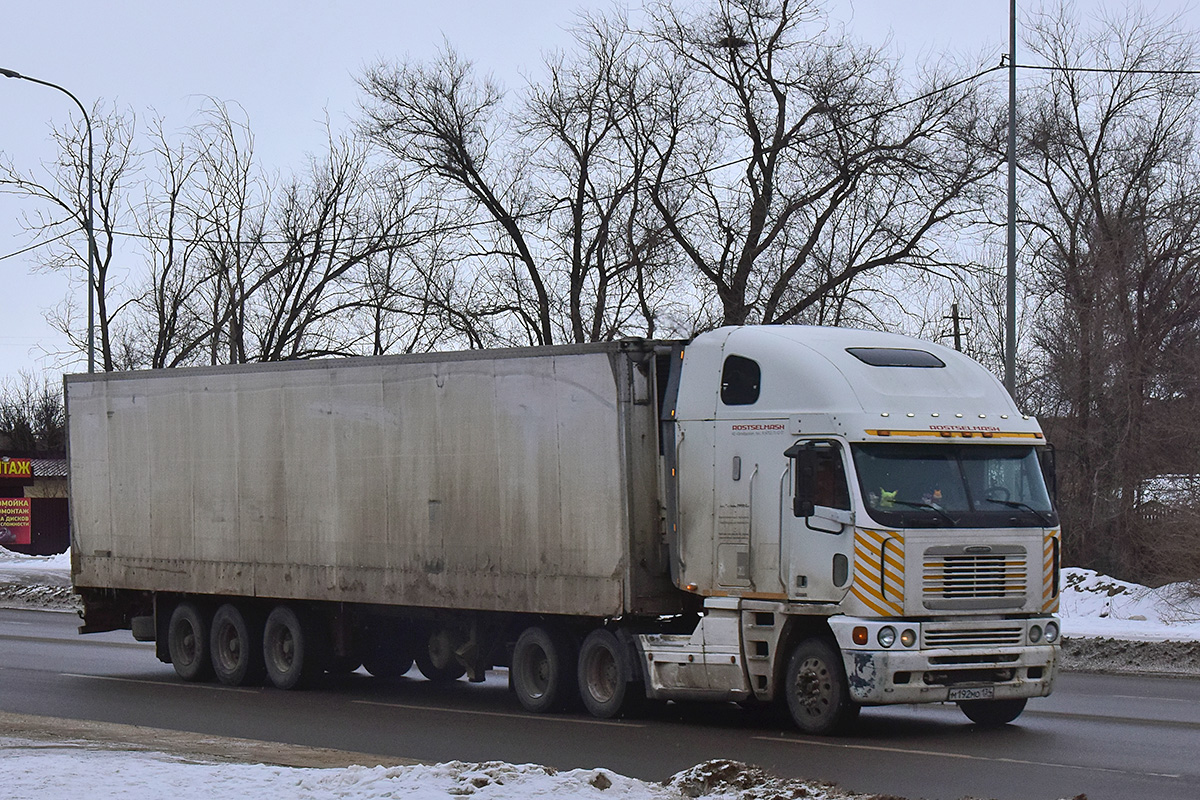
x=953, y=485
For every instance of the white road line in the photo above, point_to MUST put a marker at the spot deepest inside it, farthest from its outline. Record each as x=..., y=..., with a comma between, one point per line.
x=963, y=756
x=180, y=684
x=528, y=716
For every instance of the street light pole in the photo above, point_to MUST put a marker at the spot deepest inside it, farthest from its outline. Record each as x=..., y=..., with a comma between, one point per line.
x=1010, y=329
x=91, y=237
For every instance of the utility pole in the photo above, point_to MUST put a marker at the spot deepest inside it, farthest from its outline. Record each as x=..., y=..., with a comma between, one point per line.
x=956, y=327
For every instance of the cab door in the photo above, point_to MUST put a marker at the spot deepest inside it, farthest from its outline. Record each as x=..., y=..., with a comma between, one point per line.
x=818, y=521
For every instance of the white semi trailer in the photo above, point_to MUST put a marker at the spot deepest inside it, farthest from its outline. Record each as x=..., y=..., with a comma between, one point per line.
x=825, y=518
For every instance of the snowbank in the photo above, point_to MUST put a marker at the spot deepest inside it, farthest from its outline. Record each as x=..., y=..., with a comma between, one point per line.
x=66, y=772
x=1095, y=605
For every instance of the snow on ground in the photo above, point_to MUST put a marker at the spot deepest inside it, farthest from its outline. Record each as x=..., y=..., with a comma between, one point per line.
x=41, y=772
x=1106, y=623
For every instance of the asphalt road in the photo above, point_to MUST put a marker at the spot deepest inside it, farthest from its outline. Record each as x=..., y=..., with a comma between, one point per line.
x=1107, y=737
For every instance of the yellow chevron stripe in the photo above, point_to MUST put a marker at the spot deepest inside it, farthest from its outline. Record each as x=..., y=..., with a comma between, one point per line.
x=870, y=603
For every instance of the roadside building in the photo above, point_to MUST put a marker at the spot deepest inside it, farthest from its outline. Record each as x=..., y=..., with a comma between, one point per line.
x=33, y=505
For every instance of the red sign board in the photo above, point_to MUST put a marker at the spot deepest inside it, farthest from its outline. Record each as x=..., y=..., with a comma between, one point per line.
x=15, y=520
x=15, y=468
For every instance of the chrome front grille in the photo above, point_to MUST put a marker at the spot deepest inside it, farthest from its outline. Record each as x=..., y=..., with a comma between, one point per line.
x=995, y=635
x=975, y=577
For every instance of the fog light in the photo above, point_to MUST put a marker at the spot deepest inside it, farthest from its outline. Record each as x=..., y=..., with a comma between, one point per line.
x=1051, y=632
x=859, y=635
x=908, y=638
x=886, y=636
x=1035, y=634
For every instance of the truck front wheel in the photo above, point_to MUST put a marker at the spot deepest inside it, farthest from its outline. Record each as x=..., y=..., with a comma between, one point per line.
x=236, y=644
x=992, y=713
x=288, y=649
x=816, y=689
x=543, y=670
x=187, y=642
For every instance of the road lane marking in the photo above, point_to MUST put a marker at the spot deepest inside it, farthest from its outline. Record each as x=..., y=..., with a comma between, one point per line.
x=1156, y=699
x=528, y=716
x=180, y=684
x=964, y=756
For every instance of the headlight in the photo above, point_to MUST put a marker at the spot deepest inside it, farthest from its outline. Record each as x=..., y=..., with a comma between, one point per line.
x=886, y=636
x=908, y=638
x=1035, y=634
x=1051, y=632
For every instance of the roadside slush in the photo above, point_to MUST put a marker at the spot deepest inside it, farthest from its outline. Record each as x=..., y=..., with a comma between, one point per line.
x=107, y=735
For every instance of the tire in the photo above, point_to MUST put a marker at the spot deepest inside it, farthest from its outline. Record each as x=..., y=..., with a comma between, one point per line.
x=387, y=658
x=236, y=646
x=992, y=713
x=290, y=651
x=187, y=642
x=604, y=676
x=816, y=690
x=435, y=657
x=543, y=670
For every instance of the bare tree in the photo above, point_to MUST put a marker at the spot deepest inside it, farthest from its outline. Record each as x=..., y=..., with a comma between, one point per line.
x=60, y=218
x=1114, y=209
x=791, y=165
x=33, y=420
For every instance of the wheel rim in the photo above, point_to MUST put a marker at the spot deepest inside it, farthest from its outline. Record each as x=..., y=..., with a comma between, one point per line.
x=229, y=646
x=814, y=687
x=602, y=675
x=537, y=672
x=283, y=650
x=187, y=645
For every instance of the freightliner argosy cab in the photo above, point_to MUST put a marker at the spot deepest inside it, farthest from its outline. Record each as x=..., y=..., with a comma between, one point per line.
x=867, y=518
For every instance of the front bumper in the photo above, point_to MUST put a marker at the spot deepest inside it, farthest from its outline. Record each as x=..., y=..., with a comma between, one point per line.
x=879, y=676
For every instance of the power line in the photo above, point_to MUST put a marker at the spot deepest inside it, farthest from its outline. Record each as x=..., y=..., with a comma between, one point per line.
x=35, y=246
x=1108, y=70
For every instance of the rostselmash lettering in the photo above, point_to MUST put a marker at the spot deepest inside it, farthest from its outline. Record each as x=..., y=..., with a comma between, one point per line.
x=765, y=427
x=968, y=428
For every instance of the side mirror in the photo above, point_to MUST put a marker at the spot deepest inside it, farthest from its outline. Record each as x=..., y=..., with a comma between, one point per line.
x=804, y=495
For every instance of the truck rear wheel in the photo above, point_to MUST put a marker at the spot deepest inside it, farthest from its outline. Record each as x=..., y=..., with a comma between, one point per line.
x=289, y=649
x=236, y=645
x=604, y=676
x=187, y=642
x=992, y=713
x=543, y=670
x=817, y=693
x=436, y=659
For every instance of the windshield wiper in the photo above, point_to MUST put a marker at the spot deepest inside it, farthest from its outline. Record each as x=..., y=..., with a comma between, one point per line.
x=928, y=506
x=1024, y=506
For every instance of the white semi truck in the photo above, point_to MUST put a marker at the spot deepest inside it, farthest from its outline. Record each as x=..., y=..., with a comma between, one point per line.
x=824, y=518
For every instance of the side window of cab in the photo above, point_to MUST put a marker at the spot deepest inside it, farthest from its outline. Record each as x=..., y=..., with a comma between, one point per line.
x=741, y=381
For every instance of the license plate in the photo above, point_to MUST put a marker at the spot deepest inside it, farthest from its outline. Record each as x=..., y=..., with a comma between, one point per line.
x=977, y=693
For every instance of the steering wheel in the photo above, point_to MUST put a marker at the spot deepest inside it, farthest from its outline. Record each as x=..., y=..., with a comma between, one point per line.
x=997, y=492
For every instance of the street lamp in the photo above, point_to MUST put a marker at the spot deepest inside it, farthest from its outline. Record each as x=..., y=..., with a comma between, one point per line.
x=1010, y=328
x=8, y=73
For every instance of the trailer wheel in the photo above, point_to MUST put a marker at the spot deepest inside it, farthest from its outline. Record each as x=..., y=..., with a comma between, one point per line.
x=387, y=657
x=543, y=670
x=604, y=676
x=992, y=713
x=236, y=645
x=288, y=649
x=436, y=658
x=816, y=689
x=187, y=642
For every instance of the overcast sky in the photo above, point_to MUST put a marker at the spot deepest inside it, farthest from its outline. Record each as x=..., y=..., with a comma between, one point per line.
x=289, y=64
